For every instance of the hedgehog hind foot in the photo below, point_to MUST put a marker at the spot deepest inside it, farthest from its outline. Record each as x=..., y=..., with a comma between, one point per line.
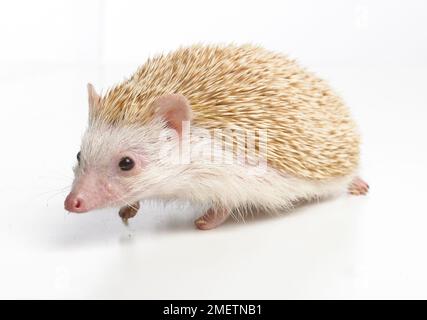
x=358, y=187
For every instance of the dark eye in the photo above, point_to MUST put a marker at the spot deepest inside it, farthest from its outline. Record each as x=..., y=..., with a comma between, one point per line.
x=78, y=156
x=126, y=164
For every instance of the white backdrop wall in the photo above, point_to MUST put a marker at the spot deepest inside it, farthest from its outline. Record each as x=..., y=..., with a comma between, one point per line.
x=329, y=31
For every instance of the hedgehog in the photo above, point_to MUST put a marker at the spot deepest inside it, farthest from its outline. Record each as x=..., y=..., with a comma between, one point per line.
x=229, y=128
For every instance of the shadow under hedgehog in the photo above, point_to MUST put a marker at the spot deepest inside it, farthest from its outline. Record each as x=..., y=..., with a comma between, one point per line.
x=172, y=132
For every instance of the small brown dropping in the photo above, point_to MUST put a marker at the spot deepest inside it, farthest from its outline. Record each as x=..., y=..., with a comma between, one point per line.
x=128, y=212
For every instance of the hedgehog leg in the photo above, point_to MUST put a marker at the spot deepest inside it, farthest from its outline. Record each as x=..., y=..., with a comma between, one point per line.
x=358, y=187
x=212, y=219
x=128, y=212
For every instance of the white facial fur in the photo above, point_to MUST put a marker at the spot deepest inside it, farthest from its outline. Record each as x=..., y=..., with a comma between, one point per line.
x=103, y=146
x=159, y=173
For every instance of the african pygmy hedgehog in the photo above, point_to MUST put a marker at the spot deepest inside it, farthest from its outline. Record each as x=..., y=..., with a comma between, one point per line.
x=234, y=128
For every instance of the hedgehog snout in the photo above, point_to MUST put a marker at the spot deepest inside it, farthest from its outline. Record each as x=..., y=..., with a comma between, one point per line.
x=89, y=192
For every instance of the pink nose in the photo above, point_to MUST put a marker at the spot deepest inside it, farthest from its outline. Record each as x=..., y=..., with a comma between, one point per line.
x=74, y=203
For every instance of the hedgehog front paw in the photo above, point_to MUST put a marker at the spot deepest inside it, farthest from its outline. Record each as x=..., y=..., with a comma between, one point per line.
x=212, y=219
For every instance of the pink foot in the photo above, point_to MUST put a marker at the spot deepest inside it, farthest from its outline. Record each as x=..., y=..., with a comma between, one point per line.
x=358, y=187
x=212, y=219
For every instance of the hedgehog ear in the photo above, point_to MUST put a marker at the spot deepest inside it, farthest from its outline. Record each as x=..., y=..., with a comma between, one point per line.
x=174, y=109
x=94, y=98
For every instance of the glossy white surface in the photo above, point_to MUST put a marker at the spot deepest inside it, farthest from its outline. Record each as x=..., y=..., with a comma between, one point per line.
x=374, y=54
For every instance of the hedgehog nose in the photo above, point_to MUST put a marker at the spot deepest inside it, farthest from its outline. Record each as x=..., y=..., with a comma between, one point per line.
x=75, y=203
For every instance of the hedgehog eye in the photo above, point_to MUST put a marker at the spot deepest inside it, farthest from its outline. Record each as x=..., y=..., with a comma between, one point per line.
x=126, y=164
x=78, y=156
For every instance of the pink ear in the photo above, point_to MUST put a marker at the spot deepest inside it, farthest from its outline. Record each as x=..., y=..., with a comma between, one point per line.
x=174, y=108
x=94, y=98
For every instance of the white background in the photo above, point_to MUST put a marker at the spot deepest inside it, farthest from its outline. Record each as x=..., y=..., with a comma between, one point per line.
x=372, y=52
